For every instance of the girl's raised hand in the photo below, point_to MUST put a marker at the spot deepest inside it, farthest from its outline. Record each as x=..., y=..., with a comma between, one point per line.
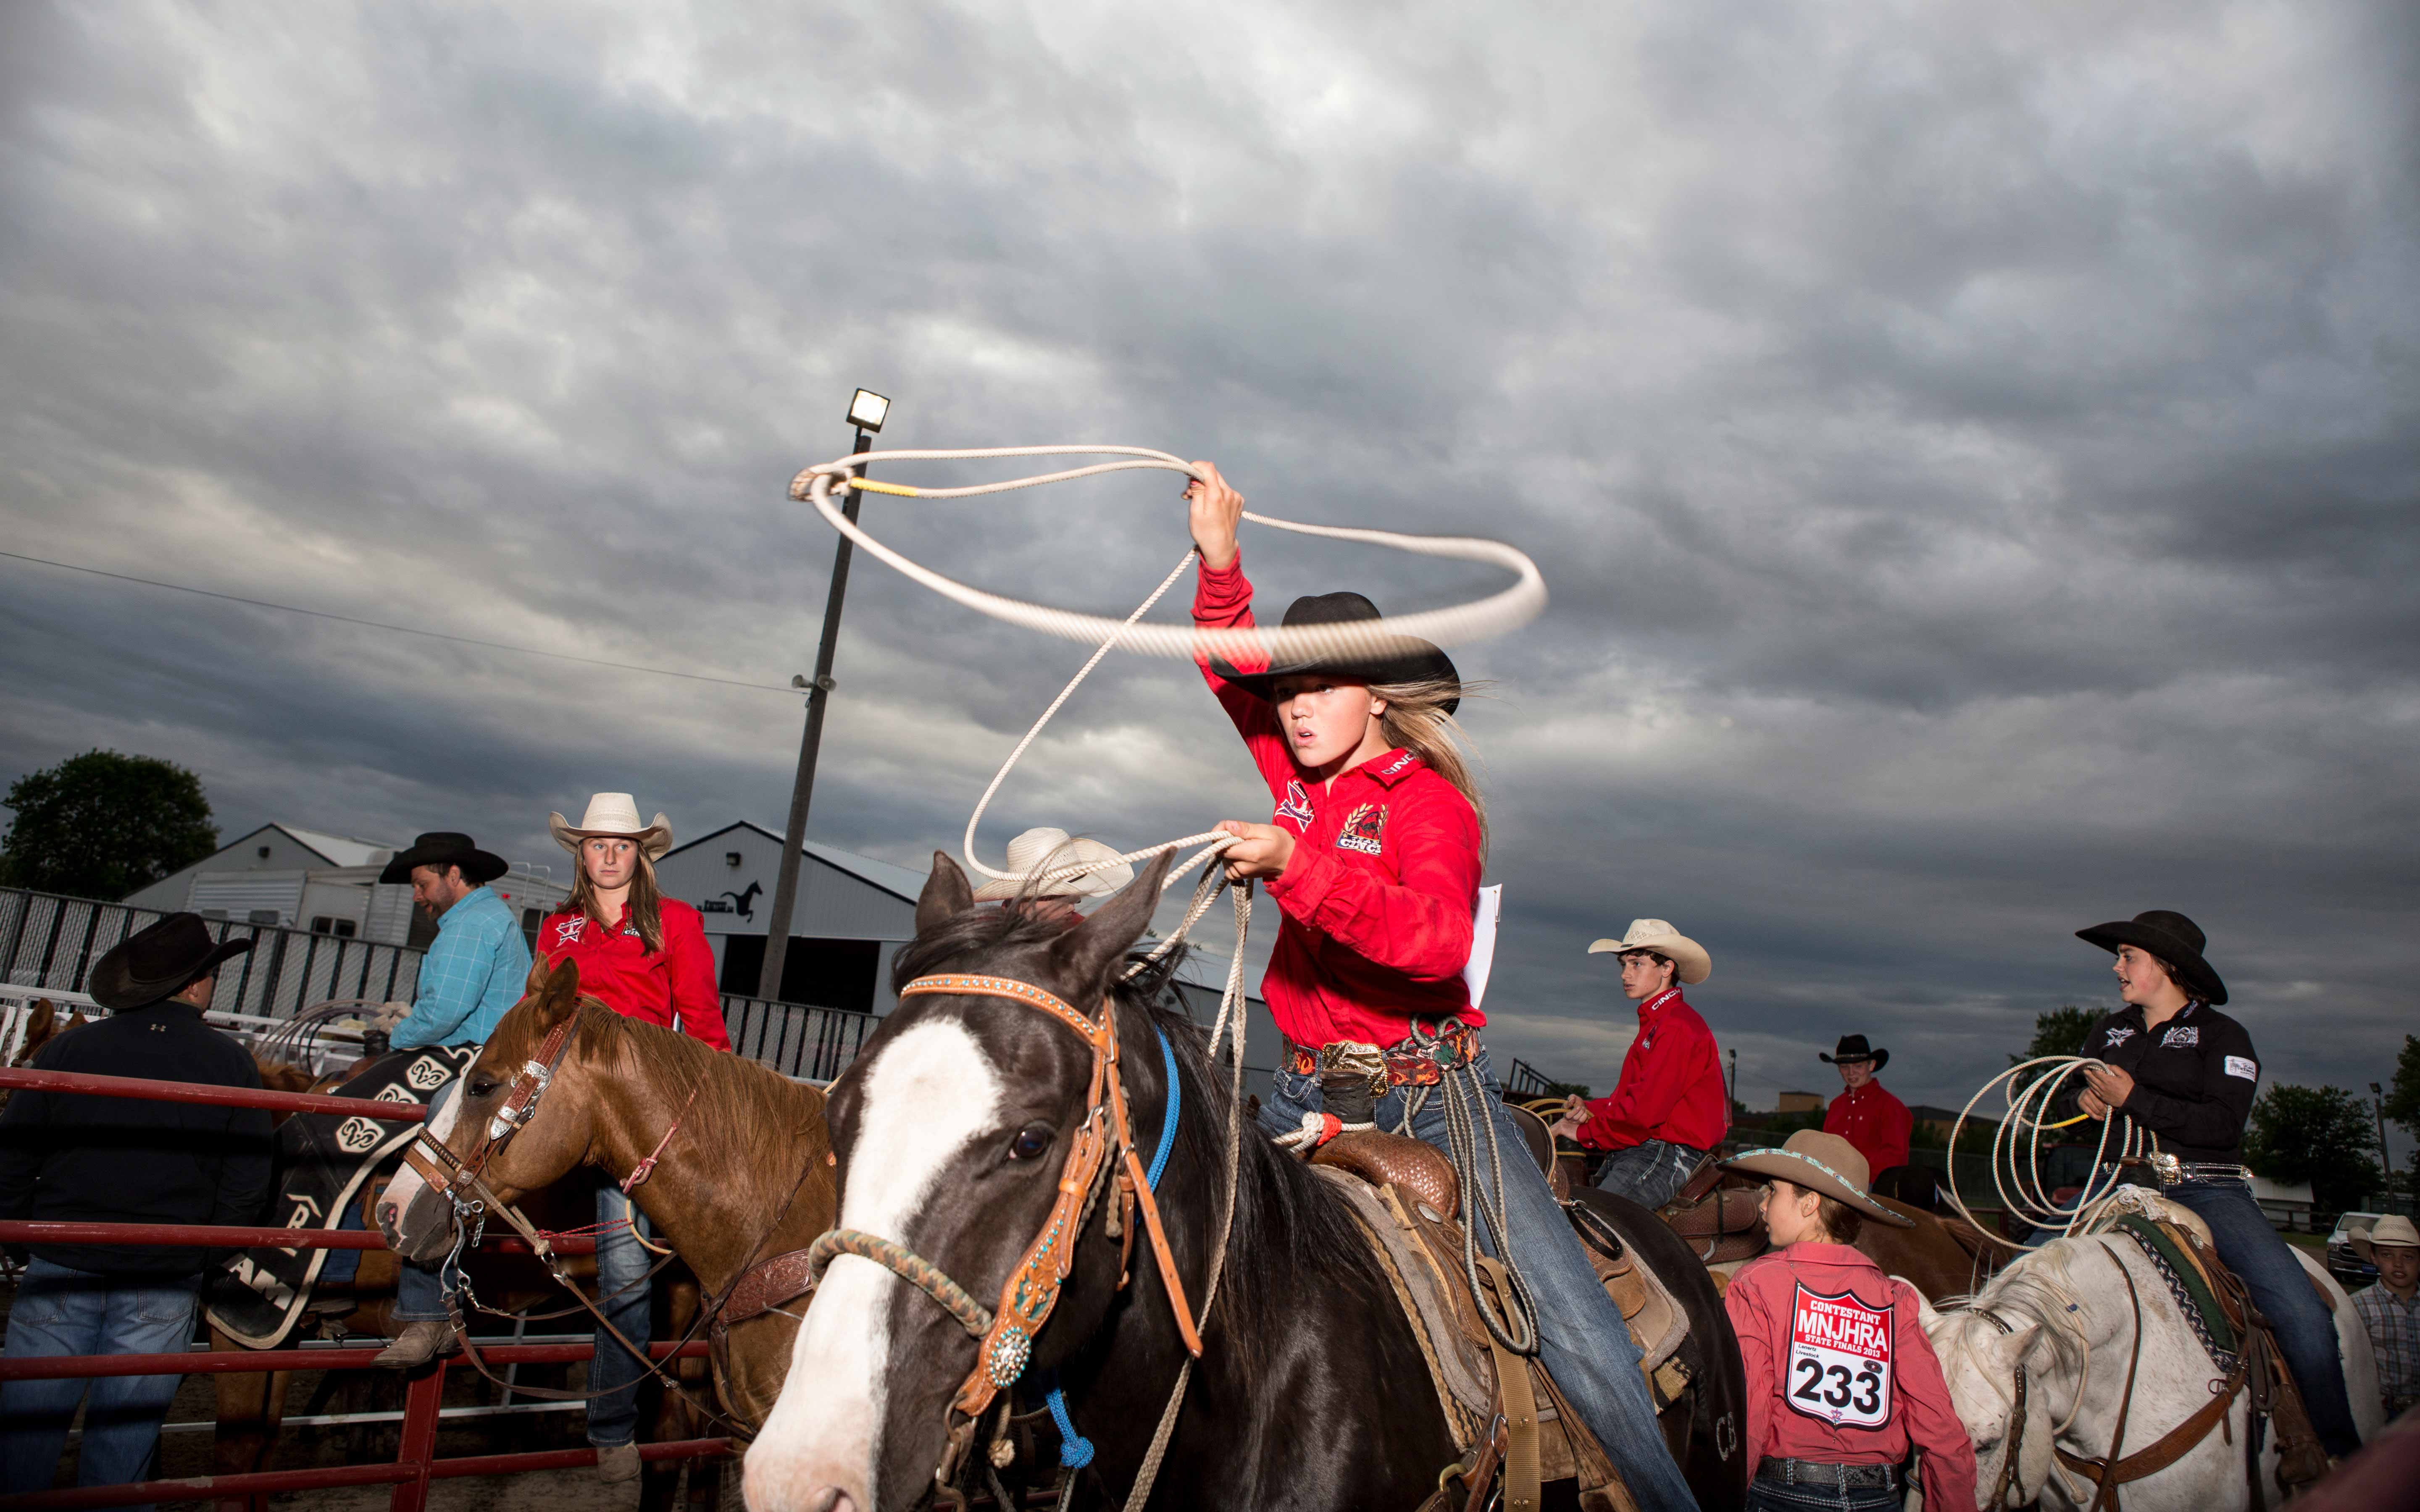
x=1214, y=509
x=1262, y=850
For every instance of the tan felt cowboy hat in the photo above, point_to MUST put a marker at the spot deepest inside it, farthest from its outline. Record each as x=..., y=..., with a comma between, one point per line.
x=1819, y=1162
x=1654, y=935
x=616, y=814
x=1046, y=850
x=2391, y=1231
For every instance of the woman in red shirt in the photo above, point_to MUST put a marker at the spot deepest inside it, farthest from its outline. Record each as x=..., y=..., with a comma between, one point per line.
x=1374, y=857
x=644, y=956
x=1841, y=1379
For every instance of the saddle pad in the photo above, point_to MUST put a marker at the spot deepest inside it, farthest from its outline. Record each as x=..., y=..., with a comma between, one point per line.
x=322, y=1160
x=2182, y=1271
x=1466, y=1386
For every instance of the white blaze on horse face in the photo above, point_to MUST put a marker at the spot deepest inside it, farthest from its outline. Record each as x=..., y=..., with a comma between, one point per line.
x=927, y=1095
x=407, y=1187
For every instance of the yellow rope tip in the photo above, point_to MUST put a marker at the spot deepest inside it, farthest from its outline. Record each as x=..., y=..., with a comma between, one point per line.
x=2067, y=1122
x=871, y=486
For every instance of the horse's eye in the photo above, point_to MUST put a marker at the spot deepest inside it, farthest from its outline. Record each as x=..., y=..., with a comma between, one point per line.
x=1031, y=1142
x=483, y=1085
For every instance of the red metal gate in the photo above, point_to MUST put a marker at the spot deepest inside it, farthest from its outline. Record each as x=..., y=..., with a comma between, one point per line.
x=416, y=1463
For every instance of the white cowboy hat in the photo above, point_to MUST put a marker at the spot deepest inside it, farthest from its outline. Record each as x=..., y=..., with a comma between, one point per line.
x=1046, y=850
x=1695, y=965
x=613, y=813
x=2391, y=1231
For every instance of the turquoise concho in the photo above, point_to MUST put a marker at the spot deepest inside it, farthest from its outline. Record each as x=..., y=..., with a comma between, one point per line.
x=1009, y=1352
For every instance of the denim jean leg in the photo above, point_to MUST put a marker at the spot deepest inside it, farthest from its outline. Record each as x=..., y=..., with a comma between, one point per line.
x=2307, y=1332
x=1650, y=1173
x=622, y=1263
x=421, y=1290
x=122, y=1414
x=58, y=1311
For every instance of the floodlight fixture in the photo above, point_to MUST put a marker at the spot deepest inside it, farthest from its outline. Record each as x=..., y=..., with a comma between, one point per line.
x=865, y=411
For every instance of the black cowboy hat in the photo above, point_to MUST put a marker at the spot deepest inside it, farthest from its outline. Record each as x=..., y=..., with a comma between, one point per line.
x=153, y=962
x=1414, y=660
x=2172, y=937
x=445, y=847
x=1853, y=1049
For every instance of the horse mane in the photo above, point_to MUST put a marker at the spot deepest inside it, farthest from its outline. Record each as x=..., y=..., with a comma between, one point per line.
x=1288, y=1221
x=2040, y=1289
x=753, y=1110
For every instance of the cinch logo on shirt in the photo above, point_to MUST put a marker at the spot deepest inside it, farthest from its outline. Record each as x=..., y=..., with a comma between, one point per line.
x=567, y=931
x=1364, y=830
x=2179, y=1037
x=1839, y=1360
x=1402, y=759
x=1298, y=804
x=2120, y=1034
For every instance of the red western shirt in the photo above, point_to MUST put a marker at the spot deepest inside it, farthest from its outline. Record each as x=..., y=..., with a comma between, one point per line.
x=1671, y=1085
x=1874, y=1121
x=673, y=987
x=1376, y=904
x=1811, y=1310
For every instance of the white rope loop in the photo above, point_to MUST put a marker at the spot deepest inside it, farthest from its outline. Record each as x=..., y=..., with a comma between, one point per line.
x=2016, y=1150
x=1391, y=636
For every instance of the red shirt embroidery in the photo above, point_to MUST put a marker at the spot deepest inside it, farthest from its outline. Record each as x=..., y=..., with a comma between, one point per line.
x=1777, y=1306
x=1671, y=1085
x=1376, y=902
x=1874, y=1121
x=672, y=987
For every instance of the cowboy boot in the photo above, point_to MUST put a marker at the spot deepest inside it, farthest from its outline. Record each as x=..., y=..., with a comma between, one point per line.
x=617, y=1463
x=418, y=1344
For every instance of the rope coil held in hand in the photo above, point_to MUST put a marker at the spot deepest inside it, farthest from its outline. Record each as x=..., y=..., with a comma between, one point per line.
x=2016, y=1150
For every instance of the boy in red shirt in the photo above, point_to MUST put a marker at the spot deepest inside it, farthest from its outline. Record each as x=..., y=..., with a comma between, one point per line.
x=1841, y=1379
x=1864, y=1114
x=1671, y=1106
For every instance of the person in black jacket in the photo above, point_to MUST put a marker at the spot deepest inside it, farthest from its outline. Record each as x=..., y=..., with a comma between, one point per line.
x=80, y=1158
x=2173, y=1064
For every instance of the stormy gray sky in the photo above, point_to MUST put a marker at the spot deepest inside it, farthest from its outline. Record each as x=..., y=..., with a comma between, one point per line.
x=1973, y=450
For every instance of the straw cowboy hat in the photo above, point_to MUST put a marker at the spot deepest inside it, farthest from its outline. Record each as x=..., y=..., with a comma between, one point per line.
x=1410, y=660
x=616, y=815
x=443, y=848
x=1046, y=850
x=1819, y=1162
x=153, y=962
x=2391, y=1231
x=2172, y=937
x=1851, y=1049
x=1654, y=935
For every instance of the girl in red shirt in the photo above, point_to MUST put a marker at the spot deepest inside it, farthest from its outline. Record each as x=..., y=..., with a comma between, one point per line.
x=1374, y=857
x=644, y=956
x=640, y=953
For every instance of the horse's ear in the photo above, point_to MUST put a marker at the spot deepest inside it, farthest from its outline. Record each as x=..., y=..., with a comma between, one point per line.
x=1083, y=955
x=536, y=982
x=555, y=993
x=946, y=895
x=2010, y=1353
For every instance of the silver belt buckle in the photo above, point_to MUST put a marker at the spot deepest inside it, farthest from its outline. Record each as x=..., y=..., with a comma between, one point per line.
x=2169, y=1169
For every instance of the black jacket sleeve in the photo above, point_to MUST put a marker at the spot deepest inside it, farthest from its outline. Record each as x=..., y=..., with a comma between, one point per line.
x=2215, y=1119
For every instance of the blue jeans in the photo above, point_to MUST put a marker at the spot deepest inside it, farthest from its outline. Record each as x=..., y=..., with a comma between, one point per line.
x=1582, y=1339
x=1650, y=1173
x=1780, y=1496
x=61, y=1311
x=2307, y=1332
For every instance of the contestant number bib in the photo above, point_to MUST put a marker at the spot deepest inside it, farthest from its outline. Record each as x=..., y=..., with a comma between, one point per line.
x=1839, y=1360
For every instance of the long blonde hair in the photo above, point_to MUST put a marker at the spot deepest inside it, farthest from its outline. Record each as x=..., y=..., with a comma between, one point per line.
x=646, y=901
x=1416, y=719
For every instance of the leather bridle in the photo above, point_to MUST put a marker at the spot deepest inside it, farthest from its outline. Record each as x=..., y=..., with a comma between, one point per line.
x=2016, y=1421
x=1103, y=1145
x=447, y=1174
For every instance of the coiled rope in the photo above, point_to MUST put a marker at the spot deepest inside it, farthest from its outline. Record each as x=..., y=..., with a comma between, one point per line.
x=2016, y=1150
x=1359, y=640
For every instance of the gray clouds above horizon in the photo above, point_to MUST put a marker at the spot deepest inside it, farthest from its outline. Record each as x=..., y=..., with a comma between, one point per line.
x=1972, y=453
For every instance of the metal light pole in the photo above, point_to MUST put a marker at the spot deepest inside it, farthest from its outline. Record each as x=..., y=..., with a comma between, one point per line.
x=866, y=411
x=2385, y=1160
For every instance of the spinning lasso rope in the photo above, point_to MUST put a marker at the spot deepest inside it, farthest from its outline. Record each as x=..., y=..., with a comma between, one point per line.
x=2016, y=1150
x=1355, y=640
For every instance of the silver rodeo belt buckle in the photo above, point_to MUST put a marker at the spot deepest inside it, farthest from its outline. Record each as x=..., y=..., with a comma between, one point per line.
x=2169, y=1168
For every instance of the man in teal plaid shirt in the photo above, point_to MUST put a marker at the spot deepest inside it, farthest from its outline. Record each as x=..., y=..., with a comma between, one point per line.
x=479, y=963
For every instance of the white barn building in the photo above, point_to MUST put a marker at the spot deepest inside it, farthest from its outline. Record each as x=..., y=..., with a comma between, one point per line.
x=853, y=914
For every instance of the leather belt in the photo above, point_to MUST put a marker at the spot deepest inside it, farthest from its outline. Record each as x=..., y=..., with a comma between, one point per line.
x=1817, y=1473
x=1409, y=1063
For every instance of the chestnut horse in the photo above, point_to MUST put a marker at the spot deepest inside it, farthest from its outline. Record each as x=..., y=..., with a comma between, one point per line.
x=745, y=1175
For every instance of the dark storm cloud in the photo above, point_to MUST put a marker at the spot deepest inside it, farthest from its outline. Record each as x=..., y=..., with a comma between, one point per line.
x=1971, y=451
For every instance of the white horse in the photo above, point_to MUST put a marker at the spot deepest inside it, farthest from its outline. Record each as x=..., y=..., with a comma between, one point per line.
x=2062, y=1316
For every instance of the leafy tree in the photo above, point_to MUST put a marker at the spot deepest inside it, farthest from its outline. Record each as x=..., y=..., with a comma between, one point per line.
x=2403, y=1098
x=102, y=825
x=2319, y=1135
x=2059, y=1032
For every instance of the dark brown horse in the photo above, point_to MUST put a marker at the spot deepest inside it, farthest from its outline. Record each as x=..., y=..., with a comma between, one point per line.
x=954, y=1127
x=745, y=1176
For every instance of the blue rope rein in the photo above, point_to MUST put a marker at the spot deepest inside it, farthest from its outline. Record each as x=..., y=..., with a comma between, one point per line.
x=1075, y=1450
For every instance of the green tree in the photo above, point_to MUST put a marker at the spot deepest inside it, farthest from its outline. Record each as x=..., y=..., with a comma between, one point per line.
x=2403, y=1098
x=2320, y=1135
x=102, y=825
x=2059, y=1032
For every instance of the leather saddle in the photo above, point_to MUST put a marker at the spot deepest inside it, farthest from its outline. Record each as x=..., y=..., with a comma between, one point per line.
x=1408, y=1200
x=1721, y=1226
